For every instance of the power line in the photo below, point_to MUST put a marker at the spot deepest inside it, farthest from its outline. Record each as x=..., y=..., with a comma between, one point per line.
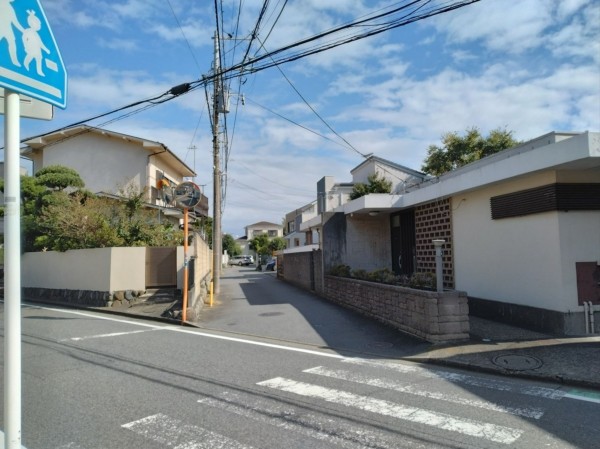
x=350, y=146
x=237, y=70
x=184, y=36
x=295, y=123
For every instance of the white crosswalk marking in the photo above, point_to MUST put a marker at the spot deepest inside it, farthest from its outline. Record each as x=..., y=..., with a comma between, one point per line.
x=527, y=412
x=173, y=433
x=492, y=432
x=465, y=379
x=343, y=434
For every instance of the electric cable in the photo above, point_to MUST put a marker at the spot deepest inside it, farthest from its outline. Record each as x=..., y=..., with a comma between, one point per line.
x=239, y=69
x=184, y=36
x=296, y=123
x=350, y=146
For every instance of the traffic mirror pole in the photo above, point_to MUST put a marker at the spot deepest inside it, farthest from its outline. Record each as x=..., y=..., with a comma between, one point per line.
x=12, y=272
x=185, y=266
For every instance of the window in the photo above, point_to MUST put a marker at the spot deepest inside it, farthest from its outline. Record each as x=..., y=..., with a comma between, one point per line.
x=272, y=233
x=291, y=226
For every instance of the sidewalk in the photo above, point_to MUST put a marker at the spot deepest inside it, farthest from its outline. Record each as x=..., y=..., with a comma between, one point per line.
x=502, y=349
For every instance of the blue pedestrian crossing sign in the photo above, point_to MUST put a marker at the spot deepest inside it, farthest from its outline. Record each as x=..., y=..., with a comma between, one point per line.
x=30, y=62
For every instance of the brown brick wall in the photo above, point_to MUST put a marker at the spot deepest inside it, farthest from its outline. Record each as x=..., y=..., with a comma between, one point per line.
x=434, y=221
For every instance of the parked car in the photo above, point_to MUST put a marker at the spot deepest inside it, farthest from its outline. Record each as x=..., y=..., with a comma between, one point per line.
x=271, y=265
x=241, y=260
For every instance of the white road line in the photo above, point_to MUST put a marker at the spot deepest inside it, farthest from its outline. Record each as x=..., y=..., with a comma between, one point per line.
x=342, y=434
x=584, y=395
x=114, y=334
x=173, y=433
x=492, y=432
x=97, y=316
x=535, y=413
x=172, y=328
x=543, y=392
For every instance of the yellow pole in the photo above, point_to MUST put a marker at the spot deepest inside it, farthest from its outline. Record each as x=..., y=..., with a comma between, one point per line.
x=185, y=265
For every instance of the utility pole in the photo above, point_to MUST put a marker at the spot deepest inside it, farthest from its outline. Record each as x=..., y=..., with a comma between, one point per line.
x=216, y=231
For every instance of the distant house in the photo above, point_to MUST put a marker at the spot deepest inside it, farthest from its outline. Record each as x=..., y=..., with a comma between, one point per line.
x=364, y=245
x=264, y=227
x=521, y=231
x=292, y=234
x=112, y=163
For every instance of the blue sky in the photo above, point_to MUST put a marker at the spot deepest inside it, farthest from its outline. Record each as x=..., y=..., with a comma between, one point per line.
x=530, y=66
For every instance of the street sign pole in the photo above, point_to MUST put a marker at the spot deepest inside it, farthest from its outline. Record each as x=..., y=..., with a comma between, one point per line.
x=12, y=273
x=24, y=69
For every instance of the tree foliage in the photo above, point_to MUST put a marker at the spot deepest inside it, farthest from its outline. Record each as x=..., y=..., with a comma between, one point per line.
x=231, y=246
x=59, y=177
x=58, y=214
x=265, y=246
x=457, y=150
x=260, y=244
x=277, y=244
x=377, y=184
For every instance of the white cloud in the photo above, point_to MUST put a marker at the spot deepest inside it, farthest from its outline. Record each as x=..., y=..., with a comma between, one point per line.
x=510, y=27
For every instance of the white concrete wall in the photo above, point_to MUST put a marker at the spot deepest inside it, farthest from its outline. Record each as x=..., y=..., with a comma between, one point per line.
x=101, y=269
x=368, y=242
x=128, y=269
x=527, y=260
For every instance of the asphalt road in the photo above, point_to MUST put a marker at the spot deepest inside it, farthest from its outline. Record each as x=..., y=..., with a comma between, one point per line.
x=98, y=381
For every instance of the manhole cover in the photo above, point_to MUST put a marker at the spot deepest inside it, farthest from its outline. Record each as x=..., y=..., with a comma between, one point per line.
x=270, y=314
x=517, y=362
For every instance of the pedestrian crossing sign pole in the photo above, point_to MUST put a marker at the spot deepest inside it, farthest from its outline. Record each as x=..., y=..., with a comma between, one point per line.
x=30, y=64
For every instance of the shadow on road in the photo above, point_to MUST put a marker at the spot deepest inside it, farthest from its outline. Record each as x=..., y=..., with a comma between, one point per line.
x=258, y=304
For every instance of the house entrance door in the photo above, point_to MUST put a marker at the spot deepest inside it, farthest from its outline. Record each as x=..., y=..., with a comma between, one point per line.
x=404, y=247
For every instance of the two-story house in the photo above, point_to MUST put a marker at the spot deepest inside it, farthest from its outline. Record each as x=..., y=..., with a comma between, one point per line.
x=111, y=164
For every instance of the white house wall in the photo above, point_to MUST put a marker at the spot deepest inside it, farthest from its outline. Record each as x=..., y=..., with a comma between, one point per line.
x=106, y=164
x=398, y=178
x=157, y=165
x=527, y=260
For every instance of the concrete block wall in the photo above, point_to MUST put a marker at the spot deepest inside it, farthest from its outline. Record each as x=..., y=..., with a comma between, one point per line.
x=298, y=269
x=432, y=316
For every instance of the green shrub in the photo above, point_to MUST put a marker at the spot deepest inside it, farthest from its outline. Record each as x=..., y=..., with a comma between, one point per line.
x=363, y=275
x=340, y=270
x=385, y=276
x=422, y=281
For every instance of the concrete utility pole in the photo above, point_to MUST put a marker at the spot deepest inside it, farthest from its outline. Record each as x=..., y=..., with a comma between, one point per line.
x=216, y=174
